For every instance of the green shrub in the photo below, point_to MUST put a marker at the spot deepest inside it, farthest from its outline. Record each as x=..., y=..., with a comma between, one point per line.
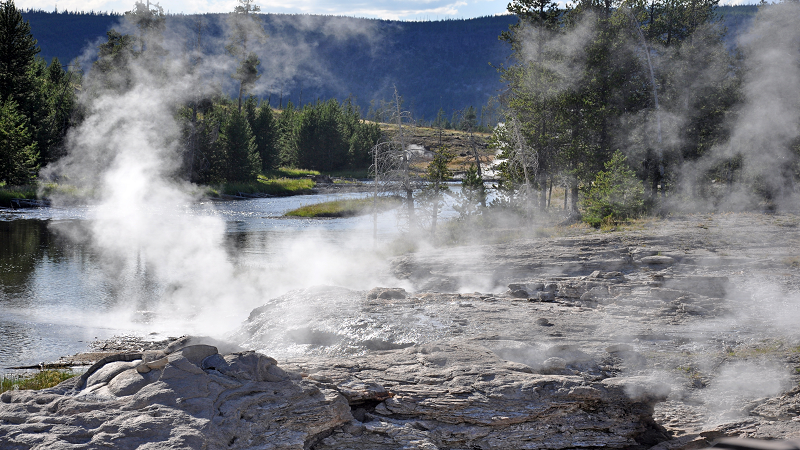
x=615, y=195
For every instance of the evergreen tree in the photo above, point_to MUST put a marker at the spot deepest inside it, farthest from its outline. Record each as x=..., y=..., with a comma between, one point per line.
x=321, y=143
x=533, y=84
x=469, y=119
x=265, y=130
x=54, y=117
x=17, y=51
x=361, y=136
x=473, y=194
x=212, y=157
x=110, y=70
x=246, y=30
x=287, y=136
x=430, y=199
x=17, y=150
x=243, y=161
x=616, y=193
x=38, y=100
x=151, y=22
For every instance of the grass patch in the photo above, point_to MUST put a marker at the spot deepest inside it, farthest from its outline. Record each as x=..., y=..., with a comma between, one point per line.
x=345, y=208
x=269, y=186
x=12, y=192
x=41, y=380
x=288, y=172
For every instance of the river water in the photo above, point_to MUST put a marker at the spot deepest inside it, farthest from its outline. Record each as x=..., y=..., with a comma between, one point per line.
x=58, y=292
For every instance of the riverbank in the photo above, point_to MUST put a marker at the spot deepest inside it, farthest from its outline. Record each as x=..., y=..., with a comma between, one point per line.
x=10, y=193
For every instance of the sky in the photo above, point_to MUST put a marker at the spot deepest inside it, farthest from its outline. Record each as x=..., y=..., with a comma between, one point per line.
x=379, y=9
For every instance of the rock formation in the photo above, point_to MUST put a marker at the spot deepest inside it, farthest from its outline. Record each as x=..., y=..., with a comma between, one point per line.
x=666, y=338
x=421, y=397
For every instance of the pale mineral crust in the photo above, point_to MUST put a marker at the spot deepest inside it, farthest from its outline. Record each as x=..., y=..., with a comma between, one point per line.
x=667, y=336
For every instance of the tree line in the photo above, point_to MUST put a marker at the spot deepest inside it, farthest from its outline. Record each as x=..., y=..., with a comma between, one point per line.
x=224, y=139
x=36, y=101
x=235, y=146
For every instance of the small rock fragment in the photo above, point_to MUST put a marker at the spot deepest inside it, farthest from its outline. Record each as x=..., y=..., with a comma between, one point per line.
x=658, y=260
x=387, y=293
x=554, y=364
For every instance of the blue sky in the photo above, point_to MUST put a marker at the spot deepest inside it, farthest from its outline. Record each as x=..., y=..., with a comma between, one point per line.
x=382, y=9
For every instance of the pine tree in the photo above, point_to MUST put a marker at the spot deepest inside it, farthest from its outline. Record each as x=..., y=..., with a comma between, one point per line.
x=246, y=31
x=17, y=150
x=287, y=136
x=243, y=160
x=616, y=193
x=321, y=144
x=265, y=130
x=17, y=51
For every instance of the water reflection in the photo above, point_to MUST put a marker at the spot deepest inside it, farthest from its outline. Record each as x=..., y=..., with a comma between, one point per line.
x=22, y=244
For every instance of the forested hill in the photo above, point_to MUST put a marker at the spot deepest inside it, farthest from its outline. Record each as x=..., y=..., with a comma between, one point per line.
x=440, y=64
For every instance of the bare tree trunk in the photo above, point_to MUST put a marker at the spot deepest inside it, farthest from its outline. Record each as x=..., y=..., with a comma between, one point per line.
x=543, y=195
x=405, y=168
x=240, y=95
x=375, y=203
x=435, y=212
x=193, y=141
x=574, y=189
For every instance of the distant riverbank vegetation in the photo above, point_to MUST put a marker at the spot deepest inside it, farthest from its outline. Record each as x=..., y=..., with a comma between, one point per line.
x=232, y=144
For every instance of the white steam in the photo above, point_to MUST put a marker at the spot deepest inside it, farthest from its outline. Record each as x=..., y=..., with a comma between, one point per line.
x=147, y=224
x=561, y=55
x=768, y=120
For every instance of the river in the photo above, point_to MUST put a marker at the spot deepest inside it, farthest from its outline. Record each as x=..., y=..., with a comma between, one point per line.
x=58, y=292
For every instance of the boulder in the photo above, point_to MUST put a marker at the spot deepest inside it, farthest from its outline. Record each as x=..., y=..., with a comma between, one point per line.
x=387, y=293
x=195, y=399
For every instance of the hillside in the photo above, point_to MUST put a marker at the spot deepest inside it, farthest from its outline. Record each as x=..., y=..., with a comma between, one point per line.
x=440, y=64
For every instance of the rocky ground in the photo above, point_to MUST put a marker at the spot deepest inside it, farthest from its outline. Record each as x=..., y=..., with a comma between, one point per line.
x=668, y=334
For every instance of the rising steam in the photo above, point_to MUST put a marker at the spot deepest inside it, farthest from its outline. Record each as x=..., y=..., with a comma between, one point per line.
x=146, y=223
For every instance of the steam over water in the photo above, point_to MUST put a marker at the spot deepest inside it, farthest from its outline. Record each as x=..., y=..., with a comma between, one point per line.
x=58, y=291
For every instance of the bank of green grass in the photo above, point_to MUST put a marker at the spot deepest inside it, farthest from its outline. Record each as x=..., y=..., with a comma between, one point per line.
x=40, y=380
x=266, y=185
x=288, y=172
x=345, y=208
